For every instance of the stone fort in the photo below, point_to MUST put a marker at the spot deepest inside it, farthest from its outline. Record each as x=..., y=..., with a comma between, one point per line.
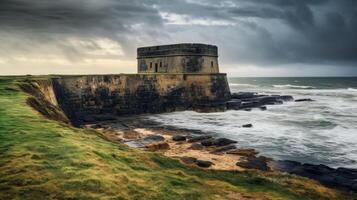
x=178, y=58
x=170, y=78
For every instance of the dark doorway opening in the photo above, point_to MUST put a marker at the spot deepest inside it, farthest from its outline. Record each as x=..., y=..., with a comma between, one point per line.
x=156, y=67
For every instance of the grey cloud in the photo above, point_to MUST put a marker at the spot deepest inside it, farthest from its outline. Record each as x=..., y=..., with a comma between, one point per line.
x=281, y=32
x=54, y=21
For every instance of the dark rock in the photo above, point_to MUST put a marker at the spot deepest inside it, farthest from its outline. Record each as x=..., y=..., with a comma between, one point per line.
x=104, y=117
x=301, y=100
x=243, y=95
x=342, y=178
x=248, y=100
x=284, y=165
x=247, y=125
x=259, y=163
x=247, y=109
x=179, y=138
x=208, y=142
x=263, y=108
x=203, y=163
x=88, y=119
x=234, y=104
x=268, y=99
x=196, y=146
x=243, y=152
x=278, y=102
x=347, y=172
x=286, y=98
x=188, y=160
x=224, y=148
x=217, y=142
x=223, y=142
x=250, y=104
x=199, y=138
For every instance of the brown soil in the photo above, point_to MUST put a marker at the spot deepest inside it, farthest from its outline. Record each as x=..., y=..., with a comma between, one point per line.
x=175, y=149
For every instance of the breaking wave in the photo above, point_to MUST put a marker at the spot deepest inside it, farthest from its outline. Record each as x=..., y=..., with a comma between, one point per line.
x=242, y=84
x=352, y=89
x=294, y=86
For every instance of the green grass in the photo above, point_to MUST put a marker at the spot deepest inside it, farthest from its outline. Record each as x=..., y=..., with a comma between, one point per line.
x=45, y=159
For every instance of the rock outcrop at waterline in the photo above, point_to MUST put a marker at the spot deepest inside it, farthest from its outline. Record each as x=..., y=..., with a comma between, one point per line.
x=342, y=178
x=249, y=100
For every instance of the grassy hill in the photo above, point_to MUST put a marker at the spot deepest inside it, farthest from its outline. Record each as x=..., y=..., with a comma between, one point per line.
x=46, y=159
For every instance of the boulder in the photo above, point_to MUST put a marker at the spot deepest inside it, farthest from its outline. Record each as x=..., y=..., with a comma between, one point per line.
x=208, y=142
x=259, y=163
x=243, y=152
x=223, y=142
x=196, y=146
x=247, y=125
x=199, y=138
x=284, y=165
x=179, y=138
x=158, y=146
x=203, y=163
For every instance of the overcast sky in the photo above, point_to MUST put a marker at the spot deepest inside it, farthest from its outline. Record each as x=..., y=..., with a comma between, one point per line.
x=254, y=37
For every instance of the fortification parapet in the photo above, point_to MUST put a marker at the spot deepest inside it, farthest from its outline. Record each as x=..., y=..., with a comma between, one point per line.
x=178, y=58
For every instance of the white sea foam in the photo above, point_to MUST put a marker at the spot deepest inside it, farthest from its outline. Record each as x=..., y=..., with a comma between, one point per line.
x=294, y=86
x=242, y=84
x=320, y=132
x=352, y=89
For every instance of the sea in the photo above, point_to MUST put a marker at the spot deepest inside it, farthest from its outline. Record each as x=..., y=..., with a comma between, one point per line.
x=320, y=132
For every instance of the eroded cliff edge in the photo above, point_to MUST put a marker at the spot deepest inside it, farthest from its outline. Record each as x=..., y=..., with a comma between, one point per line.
x=93, y=97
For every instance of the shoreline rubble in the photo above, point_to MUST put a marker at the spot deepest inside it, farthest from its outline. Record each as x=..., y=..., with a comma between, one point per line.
x=204, y=150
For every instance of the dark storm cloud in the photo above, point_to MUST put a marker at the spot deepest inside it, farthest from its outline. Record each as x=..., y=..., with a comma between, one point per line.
x=78, y=15
x=54, y=21
x=262, y=31
x=320, y=31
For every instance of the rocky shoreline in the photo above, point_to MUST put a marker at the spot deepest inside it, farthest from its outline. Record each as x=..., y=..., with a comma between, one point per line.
x=205, y=150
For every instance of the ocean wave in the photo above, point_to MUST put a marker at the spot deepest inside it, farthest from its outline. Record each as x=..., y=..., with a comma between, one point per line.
x=294, y=86
x=242, y=84
x=352, y=89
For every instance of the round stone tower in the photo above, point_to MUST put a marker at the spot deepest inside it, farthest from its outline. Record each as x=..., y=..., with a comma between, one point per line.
x=178, y=58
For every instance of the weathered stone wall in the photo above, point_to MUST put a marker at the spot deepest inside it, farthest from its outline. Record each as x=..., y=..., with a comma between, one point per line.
x=179, y=58
x=81, y=97
x=179, y=64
